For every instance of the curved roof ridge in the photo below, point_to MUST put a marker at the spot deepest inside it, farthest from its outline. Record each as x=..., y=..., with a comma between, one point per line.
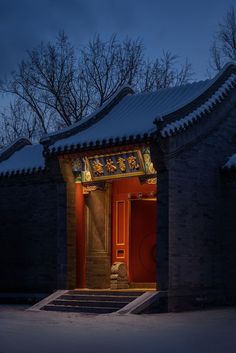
x=229, y=67
x=27, y=159
x=215, y=97
x=165, y=89
x=135, y=114
x=91, y=118
x=16, y=145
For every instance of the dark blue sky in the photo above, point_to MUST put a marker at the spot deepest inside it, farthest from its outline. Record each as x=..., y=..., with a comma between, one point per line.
x=185, y=27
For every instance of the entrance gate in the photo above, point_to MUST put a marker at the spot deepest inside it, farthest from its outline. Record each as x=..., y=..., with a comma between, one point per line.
x=128, y=236
x=134, y=228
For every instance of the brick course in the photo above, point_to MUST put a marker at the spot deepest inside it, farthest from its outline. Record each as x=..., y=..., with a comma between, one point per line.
x=201, y=219
x=196, y=243
x=32, y=222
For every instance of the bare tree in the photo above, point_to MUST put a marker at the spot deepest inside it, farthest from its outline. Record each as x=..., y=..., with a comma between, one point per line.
x=164, y=72
x=48, y=82
x=56, y=86
x=107, y=65
x=17, y=120
x=223, y=48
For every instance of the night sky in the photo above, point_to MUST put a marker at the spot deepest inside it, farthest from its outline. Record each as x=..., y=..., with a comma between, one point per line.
x=184, y=27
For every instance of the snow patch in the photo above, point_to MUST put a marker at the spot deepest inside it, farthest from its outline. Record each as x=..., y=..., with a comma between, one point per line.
x=27, y=158
x=129, y=89
x=134, y=115
x=185, y=122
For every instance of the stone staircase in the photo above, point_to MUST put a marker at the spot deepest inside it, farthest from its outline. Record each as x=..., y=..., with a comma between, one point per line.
x=92, y=301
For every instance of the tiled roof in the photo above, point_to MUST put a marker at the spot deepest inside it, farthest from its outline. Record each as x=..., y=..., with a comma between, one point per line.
x=217, y=97
x=27, y=159
x=127, y=117
x=136, y=114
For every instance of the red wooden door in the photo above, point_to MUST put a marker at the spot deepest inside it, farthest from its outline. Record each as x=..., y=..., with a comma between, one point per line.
x=143, y=241
x=134, y=229
x=120, y=228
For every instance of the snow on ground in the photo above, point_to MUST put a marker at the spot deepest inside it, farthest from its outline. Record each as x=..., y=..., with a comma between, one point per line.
x=47, y=332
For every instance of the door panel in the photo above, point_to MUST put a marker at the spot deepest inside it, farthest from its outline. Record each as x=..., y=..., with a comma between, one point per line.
x=120, y=228
x=143, y=241
x=134, y=228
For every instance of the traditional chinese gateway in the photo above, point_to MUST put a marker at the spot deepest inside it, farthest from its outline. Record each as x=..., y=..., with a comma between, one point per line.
x=140, y=194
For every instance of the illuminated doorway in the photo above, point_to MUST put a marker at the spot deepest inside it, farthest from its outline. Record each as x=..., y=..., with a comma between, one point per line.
x=116, y=219
x=134, y=228
x=142, y=244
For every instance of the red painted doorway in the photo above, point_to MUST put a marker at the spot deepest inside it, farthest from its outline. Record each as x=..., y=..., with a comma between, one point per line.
x=134, y=228
x=142, y=247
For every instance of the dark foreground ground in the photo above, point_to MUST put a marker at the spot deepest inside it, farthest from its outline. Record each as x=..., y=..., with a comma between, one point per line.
x=212, y=331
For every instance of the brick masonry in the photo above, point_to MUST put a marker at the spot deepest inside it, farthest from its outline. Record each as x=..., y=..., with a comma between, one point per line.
x=228, y=240
x=196, y=243
x=201, y=216
x=32, y=234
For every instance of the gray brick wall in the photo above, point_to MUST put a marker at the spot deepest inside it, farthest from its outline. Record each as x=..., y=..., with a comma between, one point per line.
x=196, y=242
x=32, y=234
x=197, y=206
x=228, y=236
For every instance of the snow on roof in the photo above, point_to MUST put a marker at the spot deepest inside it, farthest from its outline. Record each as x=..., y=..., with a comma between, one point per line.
x=184, y=122
x=231, y=163
x=123, y=90
x=126, y=114
x=21, y=141
x=135, y=114
x=29, y=157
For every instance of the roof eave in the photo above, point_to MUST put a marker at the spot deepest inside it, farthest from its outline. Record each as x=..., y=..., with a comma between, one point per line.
x=17, y=145
x=95, y=117
x=219, y=79
x=195, y=106
x=100, y=145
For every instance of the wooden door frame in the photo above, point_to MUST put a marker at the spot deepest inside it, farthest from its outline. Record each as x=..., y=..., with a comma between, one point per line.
x=154, y=199
x=124, y=197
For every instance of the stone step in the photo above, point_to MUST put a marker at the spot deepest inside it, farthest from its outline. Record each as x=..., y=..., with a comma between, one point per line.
x=108, y=293
x=145, y=302
x=142, y=285
x=80, y=309
x=90, y=303
x=86, y=297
